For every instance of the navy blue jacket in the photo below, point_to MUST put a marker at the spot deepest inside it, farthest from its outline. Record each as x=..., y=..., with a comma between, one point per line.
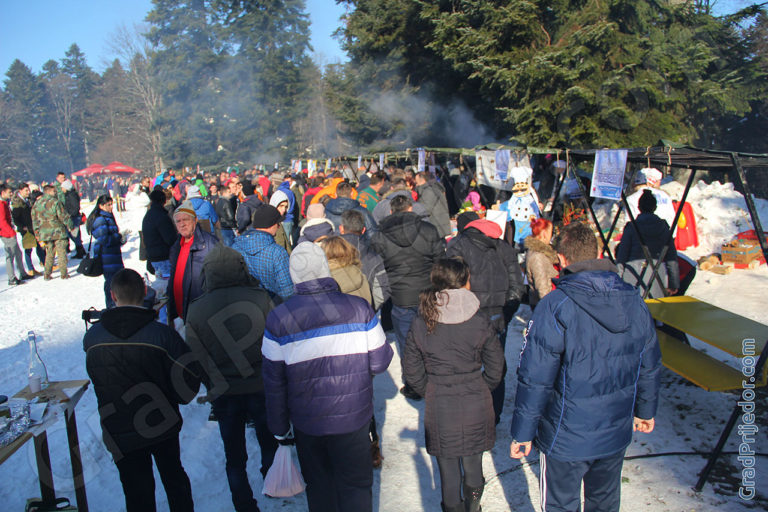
x=107, y=242
x=158, y=233
x=590, y=362
x=193, y=272
x=335, y=207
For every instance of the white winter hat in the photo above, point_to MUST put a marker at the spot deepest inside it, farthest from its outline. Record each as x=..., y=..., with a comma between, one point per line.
x=308, y=262
x=66, y=185
x=193, y=191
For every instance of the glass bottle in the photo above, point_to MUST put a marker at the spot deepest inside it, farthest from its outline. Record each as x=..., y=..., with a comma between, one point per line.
x=38, y=373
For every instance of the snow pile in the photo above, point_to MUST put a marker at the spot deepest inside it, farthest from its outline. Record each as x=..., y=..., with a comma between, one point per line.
x=721, y=213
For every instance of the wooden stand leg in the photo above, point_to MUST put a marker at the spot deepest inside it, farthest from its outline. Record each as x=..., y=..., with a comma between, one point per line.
x=77, y=463
x=44, y=473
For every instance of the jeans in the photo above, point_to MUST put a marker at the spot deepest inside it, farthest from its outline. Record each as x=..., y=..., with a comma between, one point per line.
x=232, y=413
x=74, y=235
x=162, y=269
x=402, y=318
x=13, y=253
x=338, y=470
x=135, y=470
x=227, y=237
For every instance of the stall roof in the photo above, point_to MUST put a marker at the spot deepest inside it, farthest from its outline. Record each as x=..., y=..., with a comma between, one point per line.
x=685, y=157
x=664, y=154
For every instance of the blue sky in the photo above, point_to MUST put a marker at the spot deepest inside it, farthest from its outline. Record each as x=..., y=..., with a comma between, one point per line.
x=35, y=31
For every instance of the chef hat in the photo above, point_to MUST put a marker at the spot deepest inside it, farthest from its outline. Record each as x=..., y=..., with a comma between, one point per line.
x=521, y=174
x=648, y=176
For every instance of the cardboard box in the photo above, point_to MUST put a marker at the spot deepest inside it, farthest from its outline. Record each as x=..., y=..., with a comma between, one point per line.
x=741, y=251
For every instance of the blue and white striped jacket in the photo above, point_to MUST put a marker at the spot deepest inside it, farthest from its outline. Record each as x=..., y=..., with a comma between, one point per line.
x=321, y=349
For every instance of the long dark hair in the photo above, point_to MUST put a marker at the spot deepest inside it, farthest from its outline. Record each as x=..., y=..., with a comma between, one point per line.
x=447, y=274
x=103, y=199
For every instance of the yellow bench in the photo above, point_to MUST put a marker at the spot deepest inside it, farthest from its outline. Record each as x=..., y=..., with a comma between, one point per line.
x=721, y=329
x=696, y=366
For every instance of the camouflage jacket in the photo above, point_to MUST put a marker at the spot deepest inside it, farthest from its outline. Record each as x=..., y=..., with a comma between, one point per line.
x=50, y=220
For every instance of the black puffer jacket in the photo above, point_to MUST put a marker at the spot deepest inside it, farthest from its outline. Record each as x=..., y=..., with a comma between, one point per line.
x=158, y=232
x=225, y=325
x=409, y=247
x=495, y=274
x=140, y=375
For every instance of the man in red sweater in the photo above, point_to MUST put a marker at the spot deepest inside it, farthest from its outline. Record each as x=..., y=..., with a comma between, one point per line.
x=8, y=235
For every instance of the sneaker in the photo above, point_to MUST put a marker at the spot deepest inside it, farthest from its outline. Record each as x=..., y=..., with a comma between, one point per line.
x=14, y=282
x=47, y=278
x=408, y=392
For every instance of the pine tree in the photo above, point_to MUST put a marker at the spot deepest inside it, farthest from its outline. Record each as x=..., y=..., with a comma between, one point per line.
x=34, y=149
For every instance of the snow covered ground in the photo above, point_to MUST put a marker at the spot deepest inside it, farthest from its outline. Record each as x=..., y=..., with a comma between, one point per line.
x=689, y=419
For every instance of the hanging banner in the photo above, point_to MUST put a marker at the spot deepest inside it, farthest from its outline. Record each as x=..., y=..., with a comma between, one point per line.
x=312, y=167
x=486, y=174
x=502, y=164
x=297, y=166
x=422, y=160
x=381, y=161
x=359, y=161
x=327, y=165
x=608, y=174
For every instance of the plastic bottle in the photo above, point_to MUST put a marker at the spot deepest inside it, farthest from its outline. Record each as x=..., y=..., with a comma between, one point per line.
x=38, y=373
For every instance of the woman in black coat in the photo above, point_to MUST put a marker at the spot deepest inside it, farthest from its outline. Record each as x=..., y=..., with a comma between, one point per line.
x=454, y=359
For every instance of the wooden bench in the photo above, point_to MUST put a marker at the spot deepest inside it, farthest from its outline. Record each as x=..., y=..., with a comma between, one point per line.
x=721, y=329
x=696, y=366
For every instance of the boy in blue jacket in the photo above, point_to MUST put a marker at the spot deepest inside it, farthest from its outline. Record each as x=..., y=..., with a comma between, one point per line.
x=588, y=377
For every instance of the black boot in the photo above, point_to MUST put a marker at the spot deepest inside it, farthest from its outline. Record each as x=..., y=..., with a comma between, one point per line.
x=456, y=508
x=472, y=497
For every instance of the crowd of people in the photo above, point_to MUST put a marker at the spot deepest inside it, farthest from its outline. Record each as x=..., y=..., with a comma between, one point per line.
x=280, y=288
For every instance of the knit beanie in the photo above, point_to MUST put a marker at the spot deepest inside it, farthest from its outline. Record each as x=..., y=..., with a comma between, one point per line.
x=316, y=211
x=465, y=218
x=308, y=262
x=265, y=216
x=186, y=208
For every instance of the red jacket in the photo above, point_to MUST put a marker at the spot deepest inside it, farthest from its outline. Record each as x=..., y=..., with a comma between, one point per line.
x=6, y=228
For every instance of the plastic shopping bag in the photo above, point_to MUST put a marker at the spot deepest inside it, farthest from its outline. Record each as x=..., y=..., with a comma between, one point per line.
x=283, y=478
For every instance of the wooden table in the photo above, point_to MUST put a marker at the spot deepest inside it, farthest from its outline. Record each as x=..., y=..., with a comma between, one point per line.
x=62, y=396
x=711, y=324
x=725, y=331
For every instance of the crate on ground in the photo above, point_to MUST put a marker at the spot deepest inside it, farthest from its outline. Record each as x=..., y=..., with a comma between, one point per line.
x=741, y=251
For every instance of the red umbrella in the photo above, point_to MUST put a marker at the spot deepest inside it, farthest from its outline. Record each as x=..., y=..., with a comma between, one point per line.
x=89, y=171
x=117, y=167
